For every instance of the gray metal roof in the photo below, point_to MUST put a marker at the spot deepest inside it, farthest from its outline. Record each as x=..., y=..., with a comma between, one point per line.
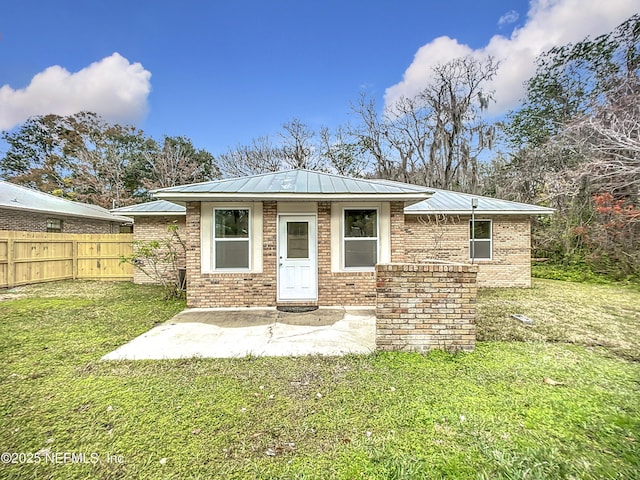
x=296, y=185
x=17, y=197
x=455, y=203
x=311, y=185
x=157, y=207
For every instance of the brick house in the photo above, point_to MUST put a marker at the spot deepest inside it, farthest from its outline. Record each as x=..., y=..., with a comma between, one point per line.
x=152, y=220
x=300, y=237
x=25, y=209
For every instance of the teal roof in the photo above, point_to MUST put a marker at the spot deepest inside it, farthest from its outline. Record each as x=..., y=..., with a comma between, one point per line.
x=17, y=197
x=455, y=203
x=295, y=185
x=158, y=207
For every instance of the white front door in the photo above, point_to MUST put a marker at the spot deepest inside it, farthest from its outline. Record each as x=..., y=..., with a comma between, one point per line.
x=297, y=259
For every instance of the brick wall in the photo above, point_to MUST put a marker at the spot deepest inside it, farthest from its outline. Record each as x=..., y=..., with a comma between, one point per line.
x=155, y=228
x=413, y=239
x=398, y=232
x=231, y=289
x=260, y=289
x=425, y=306
x=352, y=288
x=447, y=238
x=37, y=222
x=339, y=288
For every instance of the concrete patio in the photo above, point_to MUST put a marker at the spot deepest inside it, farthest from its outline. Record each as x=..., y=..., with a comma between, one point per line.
x=233, y=333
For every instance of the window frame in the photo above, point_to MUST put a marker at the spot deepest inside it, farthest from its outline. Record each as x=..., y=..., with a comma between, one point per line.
x=215, y=240
x=344, y=238
x=485, y=240
x=51, y=229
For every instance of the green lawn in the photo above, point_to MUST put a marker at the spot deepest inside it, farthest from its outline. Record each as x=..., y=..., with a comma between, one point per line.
x=489, y=414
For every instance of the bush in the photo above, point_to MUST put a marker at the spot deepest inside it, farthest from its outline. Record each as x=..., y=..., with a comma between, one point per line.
x=161, y=260
x=578, y=272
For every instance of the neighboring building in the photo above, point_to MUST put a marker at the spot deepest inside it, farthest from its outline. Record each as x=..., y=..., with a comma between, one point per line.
x=304, y=237
x=152, y=220
x=25, y=209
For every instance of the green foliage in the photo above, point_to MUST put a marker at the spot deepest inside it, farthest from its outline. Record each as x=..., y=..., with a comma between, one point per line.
x=573, y=149
x=342, y=154
x=175, y=162
x=201, y=157
x=570, y=79
x=577, y=272
x=82, y=157
x=585, y=243
x=39, y=151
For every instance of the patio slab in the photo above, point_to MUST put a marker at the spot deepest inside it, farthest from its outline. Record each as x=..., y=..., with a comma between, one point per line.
x=234, y=333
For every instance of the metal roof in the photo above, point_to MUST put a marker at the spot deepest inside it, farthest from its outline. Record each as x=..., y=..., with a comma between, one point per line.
x=296, y=185
x=157, y=207
x=312, y=185
x=455, y=203
x=17, y=197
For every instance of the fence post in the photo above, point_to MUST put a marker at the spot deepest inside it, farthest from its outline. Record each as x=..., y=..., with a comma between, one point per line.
x=10, y=264
x=74, y=259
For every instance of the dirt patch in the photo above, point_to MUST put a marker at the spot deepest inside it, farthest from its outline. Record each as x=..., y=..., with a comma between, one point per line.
x=12, y=293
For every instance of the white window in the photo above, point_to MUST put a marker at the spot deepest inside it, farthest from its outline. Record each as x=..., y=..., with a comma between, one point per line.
x=231, y=239
x=480, y=247
x=54, y=225
x=360, y=238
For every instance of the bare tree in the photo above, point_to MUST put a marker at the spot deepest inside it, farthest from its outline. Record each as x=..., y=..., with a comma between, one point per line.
x=454, y=102
x=369, y=132
x=260, y=156
x=171, y=166
x=297, y=144
x=436, y=137
x=609, y=140
x=99, y=177
x=340, y=153
x=408, y=133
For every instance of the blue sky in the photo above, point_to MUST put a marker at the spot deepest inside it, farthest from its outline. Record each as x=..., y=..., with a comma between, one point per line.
x=223, y=73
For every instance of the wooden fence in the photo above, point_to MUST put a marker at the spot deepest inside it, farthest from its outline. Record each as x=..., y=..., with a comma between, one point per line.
x=34, y=257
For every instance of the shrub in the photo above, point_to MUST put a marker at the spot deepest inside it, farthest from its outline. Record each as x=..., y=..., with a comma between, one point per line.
x=161, y=260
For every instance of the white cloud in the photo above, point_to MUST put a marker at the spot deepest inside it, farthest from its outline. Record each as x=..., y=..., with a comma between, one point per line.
x=509, y=17
x=112, y=87
x=549, y=23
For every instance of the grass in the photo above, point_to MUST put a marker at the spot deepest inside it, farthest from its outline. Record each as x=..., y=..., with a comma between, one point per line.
x=484, y=415
x=592, y=315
